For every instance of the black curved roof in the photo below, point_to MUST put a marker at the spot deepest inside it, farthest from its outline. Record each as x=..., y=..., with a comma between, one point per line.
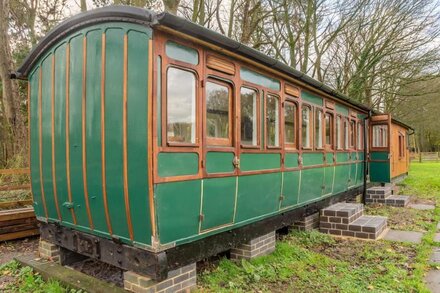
x=150, y=18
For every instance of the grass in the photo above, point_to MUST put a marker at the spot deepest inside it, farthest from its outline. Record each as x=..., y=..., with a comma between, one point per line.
x=311, y=262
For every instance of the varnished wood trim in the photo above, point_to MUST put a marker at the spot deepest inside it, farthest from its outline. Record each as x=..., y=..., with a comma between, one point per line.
x=69, y=187
x=83, y=134
x=150, y=140
x=291, y=90
x=124, y=138
x=40, y=140
x=29, y=136
x=54, y=178
x=103, y=166
x=220, y=64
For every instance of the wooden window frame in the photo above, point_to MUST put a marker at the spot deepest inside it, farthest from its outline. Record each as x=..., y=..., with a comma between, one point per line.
x=311, y=125
x=330, y=146
x=360, y=136
x=217, y=141
x=291, y=146
x=197, y=110
x=315, y=142
x=352, y=141
x=339, y=146
x=388, y=131
x=258, y=101
x=280, y=138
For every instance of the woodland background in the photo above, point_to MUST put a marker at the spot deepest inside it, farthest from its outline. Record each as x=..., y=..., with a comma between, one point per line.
x=383, y=53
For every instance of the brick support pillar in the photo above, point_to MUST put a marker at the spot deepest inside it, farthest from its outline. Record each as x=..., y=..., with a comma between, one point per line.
x=49, y=251
x=259, y=246
x=179, y=280
x=307, y=223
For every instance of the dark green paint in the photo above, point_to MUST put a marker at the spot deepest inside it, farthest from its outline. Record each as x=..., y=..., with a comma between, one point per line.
x=290, y=189
x=311, y=159
x=259, y=79
x=291, y=160
x=181, y=53
x=379, y=155
x=312, y=181
x=252, y=162
x=328, y=179
x=218, y=192
x=311, y=98
x=380, y=172
x=342, y=157
x=175, y=164
x=219, y=162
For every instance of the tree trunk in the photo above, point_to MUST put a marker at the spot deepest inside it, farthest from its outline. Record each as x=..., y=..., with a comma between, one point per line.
x=83, y=5
x=171, y=6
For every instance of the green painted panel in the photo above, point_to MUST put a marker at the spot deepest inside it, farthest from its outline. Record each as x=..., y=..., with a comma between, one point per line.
x=380, y=172
x=361, y=156
x=251, y=162
x=178, y=209
x=291, y=160
x=113, y=130
x=342, y=157
x=310, y=159
x=175, y=164
x=311, y=98
x=75, y=131
x=137, y=135
x=360, y=174
x=46, y=125
x=257, y=195
x=329, y=158
x=34, y=148
x=181, y=53
x=379, y=155
x=341, y=109
x=329, y=173
x=312, y=181
x=60, y=132
x=353, y=175
x=218, y=192
x=342, y=173
x=361, y=116
x=219, y=162
x=93, y=130
x=290, y=189
x=260, y=79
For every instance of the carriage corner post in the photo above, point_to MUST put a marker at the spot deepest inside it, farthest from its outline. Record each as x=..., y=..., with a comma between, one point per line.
x=155, y=143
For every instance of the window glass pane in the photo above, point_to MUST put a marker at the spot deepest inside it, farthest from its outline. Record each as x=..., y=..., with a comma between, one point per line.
x=380, y=135
x=318, y=129
x=359, y=137
x=346, y=134
x=352, y=133
x=338, y=133
x=181, y=106
x=305, y=129
x=217, y=110
x=289, y=123
x=248, y=108
x=272, y=121
x=328, y=129
x=182, y=53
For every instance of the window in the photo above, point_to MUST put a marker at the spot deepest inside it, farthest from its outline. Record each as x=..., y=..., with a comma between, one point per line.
x=273, y=121
x=401, y=145
x=318, y=129
x=346, y=134
x=181, y=106
x=360, y=132
x=339, y=133
x=352, y=139
x=380, y=136
x=290, y=124
x=328, y=130
x=249, y=118
x=306, y=127
x=218, y=114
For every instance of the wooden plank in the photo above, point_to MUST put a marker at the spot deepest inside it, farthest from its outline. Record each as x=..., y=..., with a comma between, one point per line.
x=292, y=90
x=15, y=214
x=15, y=187
x=18, y=228
x=14, y=171
x=14, y=204
x=9, y=223
x=21, y=234
x=220, y=64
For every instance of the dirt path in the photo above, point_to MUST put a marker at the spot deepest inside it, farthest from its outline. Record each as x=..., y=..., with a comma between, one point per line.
x=11, y=249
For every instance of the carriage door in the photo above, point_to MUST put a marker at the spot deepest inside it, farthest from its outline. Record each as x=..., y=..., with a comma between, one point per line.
x=220, y=161
x=380, y=156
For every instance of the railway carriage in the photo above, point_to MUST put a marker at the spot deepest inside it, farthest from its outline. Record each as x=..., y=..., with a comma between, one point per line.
x=156, y=142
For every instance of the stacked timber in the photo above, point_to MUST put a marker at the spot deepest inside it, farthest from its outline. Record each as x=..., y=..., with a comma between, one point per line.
x=18, y=222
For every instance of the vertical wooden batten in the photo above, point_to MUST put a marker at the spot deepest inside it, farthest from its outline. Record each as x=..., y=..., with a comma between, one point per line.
x=83, y=134
x=150, y=140
x=104, y=184
x=124, y=139
x=69, y=189
x=29, y=134
x=54, y=180
x=40, y=139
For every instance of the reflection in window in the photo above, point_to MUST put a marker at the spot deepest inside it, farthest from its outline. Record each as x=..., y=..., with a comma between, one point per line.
x=181, y=106
x=338, y=132
x=359, y=136
x=380, y=136
x=217, y=113
x=352, y=134
x=289, y=123
x=273, y=121
x=346, y=134
x=248, y=108
x=318, y=129
x=328, y=129
x=305, y=129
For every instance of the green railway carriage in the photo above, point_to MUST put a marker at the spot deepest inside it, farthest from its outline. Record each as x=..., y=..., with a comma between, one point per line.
x=167, y=142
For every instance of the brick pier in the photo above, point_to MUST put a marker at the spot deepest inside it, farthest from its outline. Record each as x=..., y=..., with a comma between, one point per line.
x=259, y=246
x=386, y=195
x=307, y=223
